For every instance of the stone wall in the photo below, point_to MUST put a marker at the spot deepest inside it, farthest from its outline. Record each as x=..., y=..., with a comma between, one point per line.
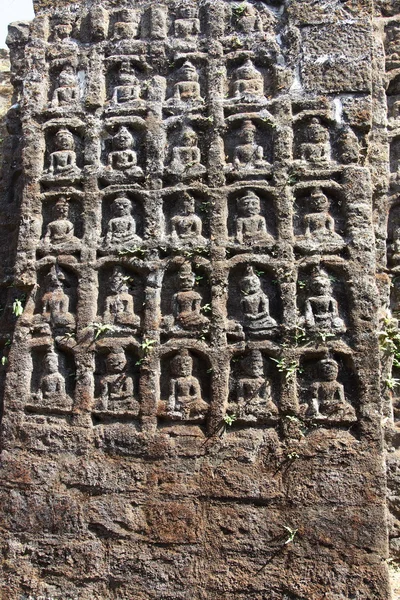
x=199, y=317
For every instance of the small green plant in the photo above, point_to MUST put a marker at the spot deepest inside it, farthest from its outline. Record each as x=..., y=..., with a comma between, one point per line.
x=258, y=273
x=4, y=360
x=292, y=418
x=302, y=429
x=203, y=334
x=101, y=329
x=206, y=206
x=292, y=455
x=198, y=250
x=17, y=307
x=392, y=382
x=301, y=284
x=292, y=179
x=389, y=340
x=324, y=335
x=236, y=42
x=289, y=368
x=146, y=346
x=229, y=420
x=206, y=308
x=132, y=251
x=291, y=534
x=239, y=10
x=198, y=278
x=69, y=335
x=300, y=335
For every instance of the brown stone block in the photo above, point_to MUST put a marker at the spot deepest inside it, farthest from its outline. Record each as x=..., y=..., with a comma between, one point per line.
x=39, y=514
x=174, y=522
x=335, y=58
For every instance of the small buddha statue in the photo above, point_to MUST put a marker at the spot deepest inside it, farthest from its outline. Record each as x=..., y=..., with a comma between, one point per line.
x=255, y=305
x=63, y=160
x=248, y=84
x=186, y=305
x=55, y=302
x=392, y=42
x=186, y=158
x=119, y=309
x=127, y=26
x=321, y=309
x=158, y=22
x=253, y=391
x=248, y=154
x=128, y=88
x=187, y=25
x=327, y=395
x=52, y=383
x=123, y=157
x=186, y=226
x=185, y=401
x=116, y=387
x=320, y=226
x=62, y=31
x=67, y=92
x=187, y=89
x=63, y=49
x=250, y=225
x=121, y=229
x=394, y=248
x=59, y=236
x=316, y=145
x=248, y=21
x=349, y=147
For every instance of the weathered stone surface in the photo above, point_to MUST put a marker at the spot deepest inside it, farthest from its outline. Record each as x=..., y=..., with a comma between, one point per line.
x=197, y=198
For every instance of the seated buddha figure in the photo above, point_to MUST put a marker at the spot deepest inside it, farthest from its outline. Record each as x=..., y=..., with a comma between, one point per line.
x=187, y=89
x=119, y=309
x=248, y=21
x=116, y=387
x=255, y=305
x=248, y=154
x=128, y=87
x=67, y=92
x=55, y=303
x=52, y=384
x=250, y=225
x=253, y=402
x=63, y=159
x=316, y=142
x=187, y=302
x=63, y=49
x=248, y=84
x=186, y=226
x=187, y=25
x=185, y=400
x=186, y=306
x=123, y=157
x=328, y=401
x=186, y=158
x=321, y=309
x=319, y=226
x=59, y=236
x=121, y=228
x=127, y=26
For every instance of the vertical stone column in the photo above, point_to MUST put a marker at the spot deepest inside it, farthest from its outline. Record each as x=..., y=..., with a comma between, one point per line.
x=192, y=403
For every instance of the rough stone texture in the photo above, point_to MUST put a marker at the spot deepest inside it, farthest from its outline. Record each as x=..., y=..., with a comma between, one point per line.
x=197, y=198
